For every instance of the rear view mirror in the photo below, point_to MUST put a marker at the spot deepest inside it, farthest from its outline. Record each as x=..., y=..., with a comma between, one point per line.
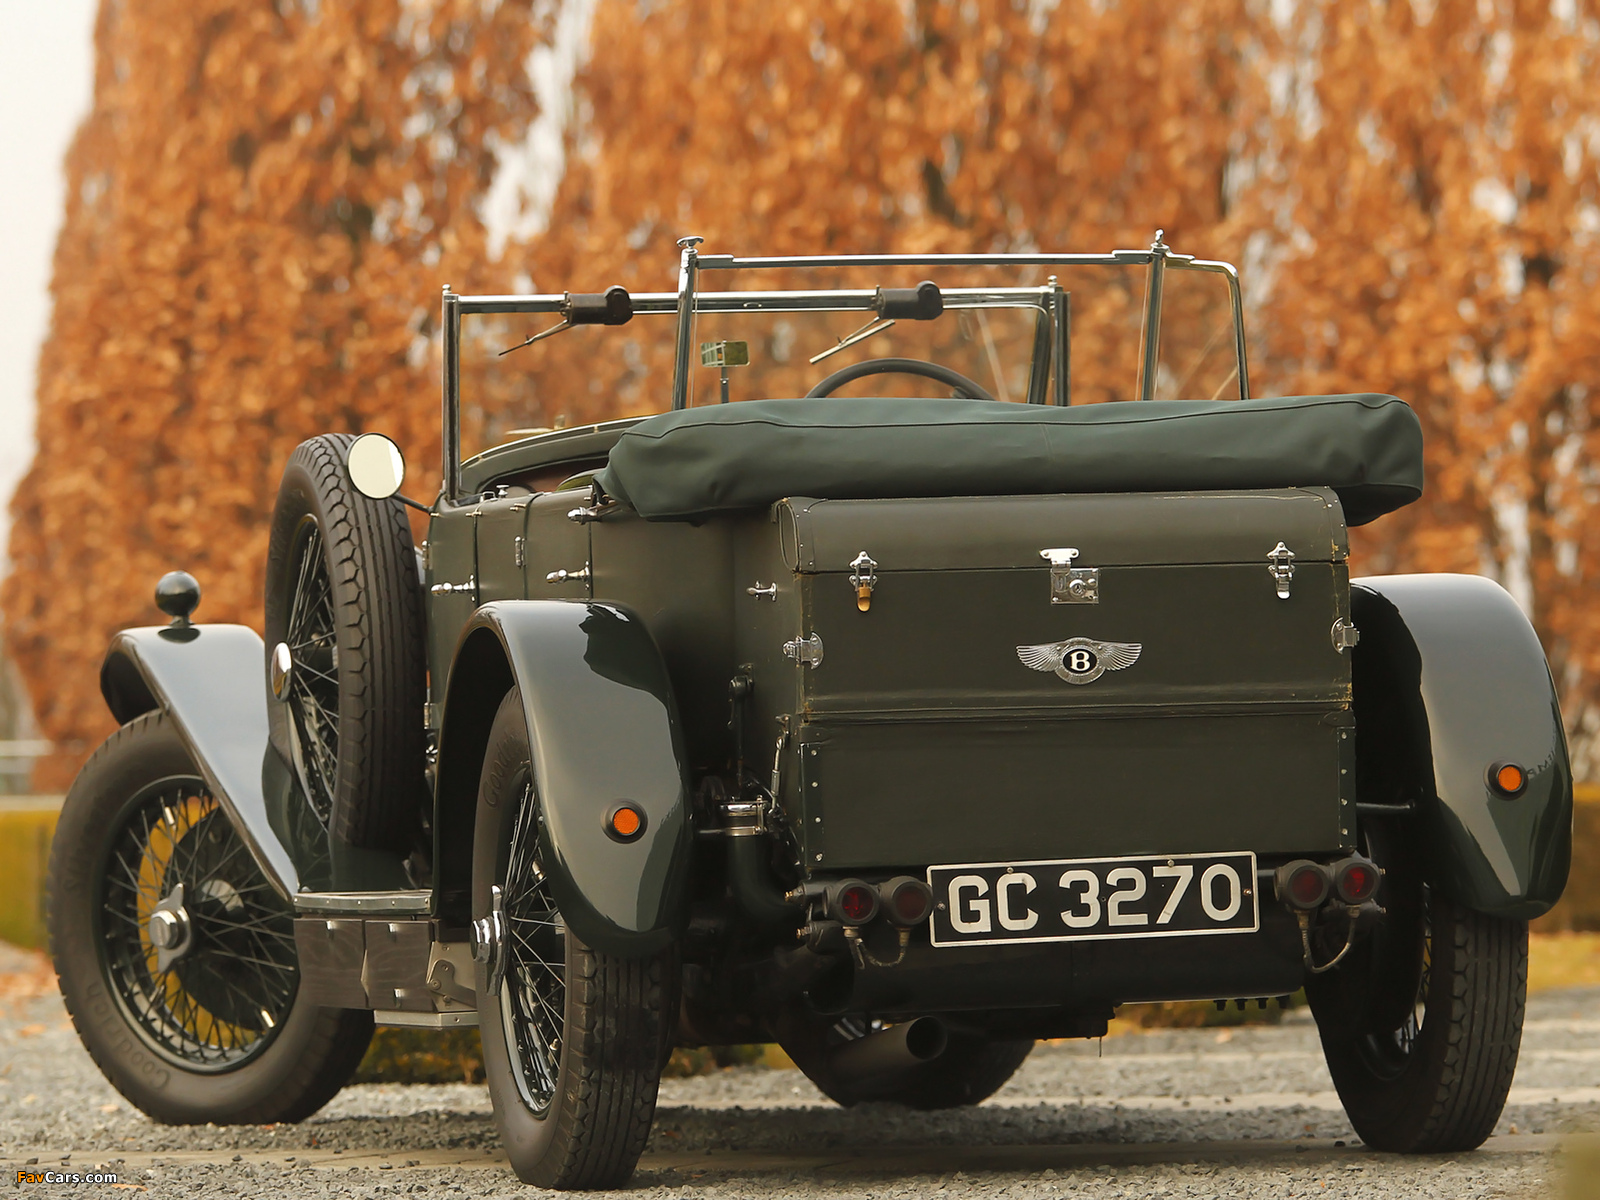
x=376, y=466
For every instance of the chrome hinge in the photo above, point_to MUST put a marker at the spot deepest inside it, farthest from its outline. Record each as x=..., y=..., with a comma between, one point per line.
x=805, y=650
x=1280, y=565
x=1345, y=635
x=579, y=575
x=763, y=591
x=1070, y=584
x=444, y=589
x=520, y=554
x=863, y=577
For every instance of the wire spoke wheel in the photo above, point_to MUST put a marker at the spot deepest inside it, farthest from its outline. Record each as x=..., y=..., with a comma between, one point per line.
x=312, y=638
x=216, y=995
x=535, y=985
x=1387, y=1054
x=574, y=1038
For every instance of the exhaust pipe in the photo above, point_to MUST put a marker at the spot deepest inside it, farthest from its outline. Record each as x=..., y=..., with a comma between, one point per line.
x=889, y=1051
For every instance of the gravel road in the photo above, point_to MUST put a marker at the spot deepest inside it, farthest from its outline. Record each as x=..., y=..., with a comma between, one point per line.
x=1246, y=1112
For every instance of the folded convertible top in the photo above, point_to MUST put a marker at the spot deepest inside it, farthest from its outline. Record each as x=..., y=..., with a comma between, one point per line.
x=700, y=461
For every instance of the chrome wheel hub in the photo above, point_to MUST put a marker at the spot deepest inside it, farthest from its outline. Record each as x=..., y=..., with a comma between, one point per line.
x=282, y=667
x=170, y=930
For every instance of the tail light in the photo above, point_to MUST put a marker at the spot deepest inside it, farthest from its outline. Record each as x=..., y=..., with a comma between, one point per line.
x=1302, y=884
x=906, y=901
x=852, y=901
x=1356, y=879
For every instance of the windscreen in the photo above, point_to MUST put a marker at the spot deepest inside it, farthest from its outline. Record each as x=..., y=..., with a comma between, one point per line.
x=1199, y=355
x=770, y=334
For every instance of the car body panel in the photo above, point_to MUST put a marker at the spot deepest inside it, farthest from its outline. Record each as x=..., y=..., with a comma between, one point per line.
x=603, y=728
x=1460, y=668
x=208, y=680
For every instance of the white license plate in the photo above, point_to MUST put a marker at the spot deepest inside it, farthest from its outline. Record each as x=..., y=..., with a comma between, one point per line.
x=1083, y=899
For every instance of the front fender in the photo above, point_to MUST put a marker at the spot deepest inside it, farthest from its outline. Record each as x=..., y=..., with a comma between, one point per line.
x=603, y=728
x=1450, y=678
x=208, y=680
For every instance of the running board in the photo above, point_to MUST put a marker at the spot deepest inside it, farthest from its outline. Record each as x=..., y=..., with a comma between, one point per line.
x=417, y=902
x=393, y=966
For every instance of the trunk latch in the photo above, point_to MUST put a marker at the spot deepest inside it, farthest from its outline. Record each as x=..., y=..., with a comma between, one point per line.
x=1070, y=584
x=805, y=650
x=1281, y=568
x=863, y=577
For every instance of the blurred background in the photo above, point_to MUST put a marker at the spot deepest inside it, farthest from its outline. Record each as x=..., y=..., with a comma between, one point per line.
x=228, y=221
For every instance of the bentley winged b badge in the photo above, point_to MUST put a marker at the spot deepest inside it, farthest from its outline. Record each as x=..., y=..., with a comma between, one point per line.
x=1080, y=659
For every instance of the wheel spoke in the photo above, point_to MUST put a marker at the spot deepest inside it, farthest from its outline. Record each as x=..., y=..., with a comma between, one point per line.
x=204, y=1009
x=535, y=996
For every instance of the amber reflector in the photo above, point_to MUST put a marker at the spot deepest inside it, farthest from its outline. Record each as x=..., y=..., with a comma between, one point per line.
x=625, y=823
x=1509, y=778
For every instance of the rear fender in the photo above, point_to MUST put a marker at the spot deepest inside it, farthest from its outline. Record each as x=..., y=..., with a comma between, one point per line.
x=208, y=679
x=603, y=728
x=1449, y=678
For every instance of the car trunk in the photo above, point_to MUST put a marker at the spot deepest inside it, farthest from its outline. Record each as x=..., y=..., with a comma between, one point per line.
x=982, y=707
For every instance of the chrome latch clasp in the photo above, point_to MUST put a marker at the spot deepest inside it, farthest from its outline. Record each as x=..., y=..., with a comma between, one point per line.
x=1070, y=584
x=863, y=577
x=1345, y=634
x=805, y=650
x=1280, y=565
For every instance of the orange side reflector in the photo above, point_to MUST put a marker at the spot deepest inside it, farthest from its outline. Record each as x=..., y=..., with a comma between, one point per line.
x=1509, y=777
x=625, y=821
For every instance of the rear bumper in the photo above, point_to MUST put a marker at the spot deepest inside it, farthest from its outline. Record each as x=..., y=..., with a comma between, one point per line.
x=1079, y=976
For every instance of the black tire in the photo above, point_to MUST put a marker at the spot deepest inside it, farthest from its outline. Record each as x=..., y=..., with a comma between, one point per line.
x=342, y=593
x=972, y=1068
x=573, y=1038
x=223, y=1034
x=1428, y=1076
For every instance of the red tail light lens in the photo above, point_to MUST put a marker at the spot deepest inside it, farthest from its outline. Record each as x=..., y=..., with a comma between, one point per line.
x=1302, y=883
x=906, y=901
x=853, y=902
x=1356, y=880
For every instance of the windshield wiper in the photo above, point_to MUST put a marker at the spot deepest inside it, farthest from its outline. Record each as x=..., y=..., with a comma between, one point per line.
x=611, y=307
x=921, y=303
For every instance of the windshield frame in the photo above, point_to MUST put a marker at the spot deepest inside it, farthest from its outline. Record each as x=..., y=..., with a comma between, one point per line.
x=1050, y=301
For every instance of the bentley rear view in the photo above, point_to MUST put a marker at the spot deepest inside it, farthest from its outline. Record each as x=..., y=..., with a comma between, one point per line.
x=903, y=728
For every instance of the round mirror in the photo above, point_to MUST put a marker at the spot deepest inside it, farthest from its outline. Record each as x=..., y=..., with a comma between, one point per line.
x=375, y=465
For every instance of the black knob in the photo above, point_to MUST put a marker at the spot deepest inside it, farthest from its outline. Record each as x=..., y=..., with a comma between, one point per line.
x=177, y=595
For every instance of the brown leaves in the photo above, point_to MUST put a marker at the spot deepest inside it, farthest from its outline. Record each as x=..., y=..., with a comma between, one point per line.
x=259, y=202
x=264, y=203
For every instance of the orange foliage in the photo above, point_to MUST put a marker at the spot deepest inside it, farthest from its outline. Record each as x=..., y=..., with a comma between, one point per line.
x=264, y=203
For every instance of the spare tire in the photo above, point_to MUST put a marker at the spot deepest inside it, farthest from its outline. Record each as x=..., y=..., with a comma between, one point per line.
x=346, y=658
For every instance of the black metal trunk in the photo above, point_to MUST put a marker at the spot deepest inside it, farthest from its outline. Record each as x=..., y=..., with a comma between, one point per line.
x=952, y=717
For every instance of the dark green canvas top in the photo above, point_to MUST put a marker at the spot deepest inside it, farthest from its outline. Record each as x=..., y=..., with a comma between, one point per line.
x=699, y=461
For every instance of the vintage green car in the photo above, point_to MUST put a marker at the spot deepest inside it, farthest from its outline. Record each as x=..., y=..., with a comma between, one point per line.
x=901, y=729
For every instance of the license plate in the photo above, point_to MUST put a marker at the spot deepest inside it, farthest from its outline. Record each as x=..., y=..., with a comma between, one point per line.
x=1087, y=899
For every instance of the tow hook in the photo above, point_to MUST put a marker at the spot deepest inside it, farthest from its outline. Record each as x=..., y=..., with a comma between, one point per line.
x=1305, y=887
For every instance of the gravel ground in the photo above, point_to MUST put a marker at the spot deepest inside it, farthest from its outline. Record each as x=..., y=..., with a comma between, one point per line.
x=1246, y=1112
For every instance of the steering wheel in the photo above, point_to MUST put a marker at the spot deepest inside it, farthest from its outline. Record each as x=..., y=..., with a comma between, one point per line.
x=901, y=366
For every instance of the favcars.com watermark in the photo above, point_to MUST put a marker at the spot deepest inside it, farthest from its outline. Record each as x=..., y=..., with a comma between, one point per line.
x=70, y=1178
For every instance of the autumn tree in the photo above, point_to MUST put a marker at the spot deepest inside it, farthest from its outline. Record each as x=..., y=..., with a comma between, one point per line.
x=265, y=200
x=1427, y=224
x=263, y=203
